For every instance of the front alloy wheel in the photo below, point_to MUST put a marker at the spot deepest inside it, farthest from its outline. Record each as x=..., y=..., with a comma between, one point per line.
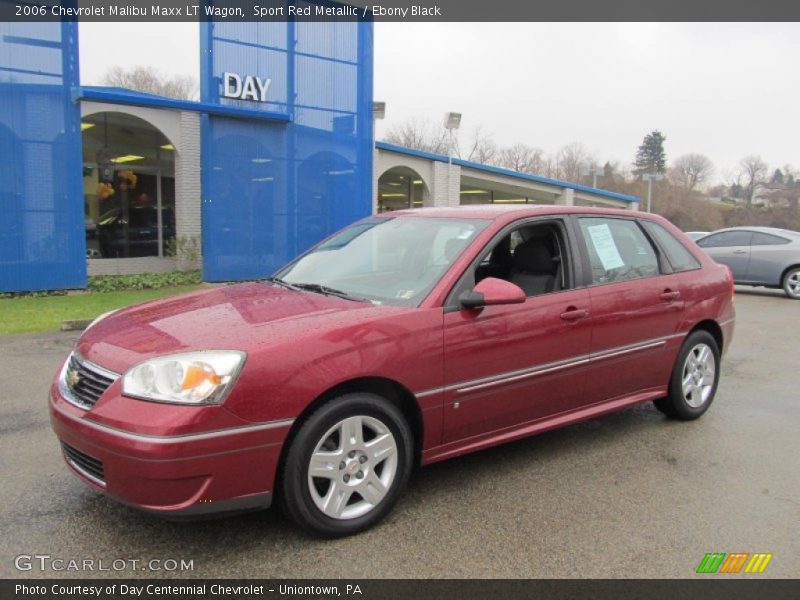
x=347, y=465
x=352, y=467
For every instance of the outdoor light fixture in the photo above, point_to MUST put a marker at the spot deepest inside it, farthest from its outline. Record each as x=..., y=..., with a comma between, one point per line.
x=594, y=171
x=85, y=126
x=168, y=147
x=378, y=110
x=452, y=120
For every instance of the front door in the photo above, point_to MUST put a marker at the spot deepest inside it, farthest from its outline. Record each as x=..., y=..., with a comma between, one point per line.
x=508, y=365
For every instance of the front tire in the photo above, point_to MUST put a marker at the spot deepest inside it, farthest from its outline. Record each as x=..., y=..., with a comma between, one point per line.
x=347, y=465
x=791, y=283
x=694, y=379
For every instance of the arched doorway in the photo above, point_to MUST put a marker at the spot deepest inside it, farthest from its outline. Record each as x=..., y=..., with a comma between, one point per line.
x=128, y=186
x=401, y=187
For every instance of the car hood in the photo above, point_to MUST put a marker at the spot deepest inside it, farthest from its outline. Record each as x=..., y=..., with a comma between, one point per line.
x=234, y=317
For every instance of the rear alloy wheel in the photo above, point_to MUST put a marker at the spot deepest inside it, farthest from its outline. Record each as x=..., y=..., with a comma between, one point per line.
x=791, y=283
x=694, y=379
x=347, y=465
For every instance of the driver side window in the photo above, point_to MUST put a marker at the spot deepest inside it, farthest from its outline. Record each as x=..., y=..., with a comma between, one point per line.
x=531, y=257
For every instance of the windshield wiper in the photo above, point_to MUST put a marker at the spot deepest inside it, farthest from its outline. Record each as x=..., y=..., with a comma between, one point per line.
x=281, y=282
x=324, y=289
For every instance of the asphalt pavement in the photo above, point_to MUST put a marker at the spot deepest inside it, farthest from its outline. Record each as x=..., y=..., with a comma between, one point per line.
x=629, y=495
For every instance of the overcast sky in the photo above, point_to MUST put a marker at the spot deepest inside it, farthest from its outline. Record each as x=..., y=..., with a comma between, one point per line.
x=724, y=90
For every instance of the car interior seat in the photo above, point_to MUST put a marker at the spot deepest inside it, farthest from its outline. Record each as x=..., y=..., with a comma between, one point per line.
x=534, y=267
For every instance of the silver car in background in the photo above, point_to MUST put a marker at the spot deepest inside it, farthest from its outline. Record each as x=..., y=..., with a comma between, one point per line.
x=758, y=256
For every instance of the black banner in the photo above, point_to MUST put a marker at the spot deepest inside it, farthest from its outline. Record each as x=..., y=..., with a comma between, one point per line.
x=232, y=589
x=401, y=10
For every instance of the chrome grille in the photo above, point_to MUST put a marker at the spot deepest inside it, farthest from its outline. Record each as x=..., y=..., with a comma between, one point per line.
x=82, y=382
x=85, y=464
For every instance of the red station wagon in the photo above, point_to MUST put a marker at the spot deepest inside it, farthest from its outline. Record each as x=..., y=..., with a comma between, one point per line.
x=406, y=338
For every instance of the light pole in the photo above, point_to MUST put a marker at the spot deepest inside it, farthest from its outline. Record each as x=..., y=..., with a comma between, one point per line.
x=594, y=171
x=452, y=120
x=650, y=178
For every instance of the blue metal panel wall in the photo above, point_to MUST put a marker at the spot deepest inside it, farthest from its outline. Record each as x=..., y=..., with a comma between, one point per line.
x=271, y=190
x=42, y=239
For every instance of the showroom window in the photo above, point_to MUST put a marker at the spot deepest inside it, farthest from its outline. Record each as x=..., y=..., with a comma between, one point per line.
x=129, y=187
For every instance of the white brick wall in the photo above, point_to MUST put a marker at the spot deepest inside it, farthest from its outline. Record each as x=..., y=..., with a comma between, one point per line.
x=187, y=178
x=446, y=187
x=129, y=266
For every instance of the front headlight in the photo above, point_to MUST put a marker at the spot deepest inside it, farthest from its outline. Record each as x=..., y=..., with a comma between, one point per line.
x=190, y=378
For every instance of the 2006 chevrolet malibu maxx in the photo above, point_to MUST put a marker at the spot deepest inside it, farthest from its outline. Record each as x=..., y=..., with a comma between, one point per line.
x=406, y=338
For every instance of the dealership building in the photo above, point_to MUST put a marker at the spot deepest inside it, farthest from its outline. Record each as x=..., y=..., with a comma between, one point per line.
x=277, y=154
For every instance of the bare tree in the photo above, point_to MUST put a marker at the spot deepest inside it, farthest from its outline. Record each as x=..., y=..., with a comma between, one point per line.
x=482, y=149
x=522, y=158
x=753, y=175
x=419, y=134
x=152, y=81
x=691, y=170
x=573, y=160
x=784, y=189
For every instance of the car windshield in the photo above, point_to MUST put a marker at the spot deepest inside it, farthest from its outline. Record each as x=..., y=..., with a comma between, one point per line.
x=384, y=260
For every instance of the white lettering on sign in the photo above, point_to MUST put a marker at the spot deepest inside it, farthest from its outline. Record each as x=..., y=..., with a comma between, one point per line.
x=251, y=87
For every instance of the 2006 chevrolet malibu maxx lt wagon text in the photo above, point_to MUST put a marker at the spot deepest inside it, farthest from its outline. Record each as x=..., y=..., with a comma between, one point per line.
x=406, y=338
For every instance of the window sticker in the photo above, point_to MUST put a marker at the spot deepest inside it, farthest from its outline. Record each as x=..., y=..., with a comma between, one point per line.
x=605, y=247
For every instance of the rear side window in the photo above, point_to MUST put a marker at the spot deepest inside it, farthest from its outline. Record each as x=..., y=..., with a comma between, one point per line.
x=726, y=238
x=618, y=250
x=765, y=239
x=677, y=254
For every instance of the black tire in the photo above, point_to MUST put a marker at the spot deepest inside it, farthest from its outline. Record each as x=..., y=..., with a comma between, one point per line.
x=789, y=280
x=675, y=404
x=296, y=494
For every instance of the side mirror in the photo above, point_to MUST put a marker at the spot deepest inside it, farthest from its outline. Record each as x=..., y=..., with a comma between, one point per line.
x=492, y=291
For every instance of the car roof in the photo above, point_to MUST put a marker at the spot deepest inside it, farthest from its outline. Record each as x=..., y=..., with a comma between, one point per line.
x=760, y=229
x=506, y=211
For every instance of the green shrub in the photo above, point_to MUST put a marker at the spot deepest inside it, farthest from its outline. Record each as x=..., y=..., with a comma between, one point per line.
x=143, y=281
x=37, y=294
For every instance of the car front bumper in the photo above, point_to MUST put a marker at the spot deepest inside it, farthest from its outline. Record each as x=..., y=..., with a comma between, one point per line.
x=187, y=475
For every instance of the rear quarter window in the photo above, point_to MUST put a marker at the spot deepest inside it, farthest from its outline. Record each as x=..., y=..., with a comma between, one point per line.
x=677, y=254
x=766, y=239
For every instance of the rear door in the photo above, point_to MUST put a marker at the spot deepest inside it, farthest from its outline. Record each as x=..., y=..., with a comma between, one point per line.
x=730, y=248
x=507, y=365
x=636, y=307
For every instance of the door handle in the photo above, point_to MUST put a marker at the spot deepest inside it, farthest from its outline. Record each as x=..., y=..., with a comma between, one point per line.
x=740, y=251
x=573, y=314
x=670, y=295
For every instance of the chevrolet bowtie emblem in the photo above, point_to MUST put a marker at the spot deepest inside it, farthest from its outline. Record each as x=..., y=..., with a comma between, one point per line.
x=73, y=378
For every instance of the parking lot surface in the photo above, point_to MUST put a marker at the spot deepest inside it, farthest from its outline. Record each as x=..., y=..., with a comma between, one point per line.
x=629, y=495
